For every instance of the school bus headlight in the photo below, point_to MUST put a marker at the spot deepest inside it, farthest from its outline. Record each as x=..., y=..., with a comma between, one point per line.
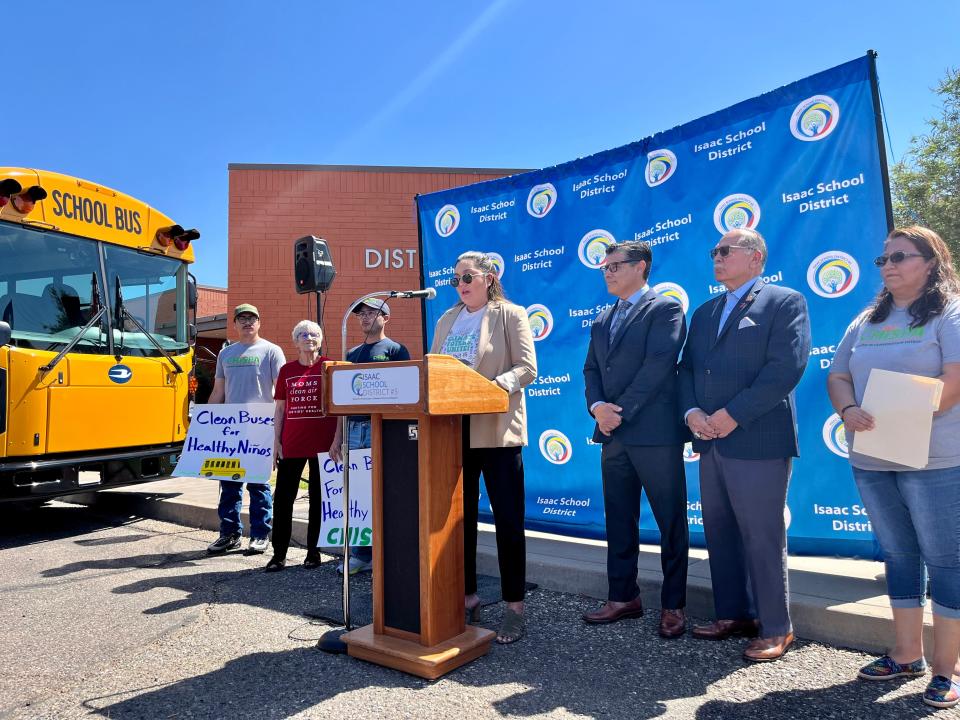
x=8, y=187
x=24, y=201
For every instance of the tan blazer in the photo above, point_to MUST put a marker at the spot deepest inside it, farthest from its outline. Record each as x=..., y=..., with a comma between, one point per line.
x=505, y=354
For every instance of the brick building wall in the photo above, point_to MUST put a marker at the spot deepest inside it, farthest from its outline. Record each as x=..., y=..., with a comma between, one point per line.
x=354, y=208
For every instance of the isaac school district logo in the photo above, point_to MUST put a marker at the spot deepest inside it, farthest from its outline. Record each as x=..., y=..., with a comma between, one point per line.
x=497, y=260
x=555, y=447
x=593, y=247
x=835, y=436
x=815, y=118
x=674, y=291
x=541, y=321
x=736, y=212
x=448, y=220
x=661, y=165
x=541, y=200
x=833, y=274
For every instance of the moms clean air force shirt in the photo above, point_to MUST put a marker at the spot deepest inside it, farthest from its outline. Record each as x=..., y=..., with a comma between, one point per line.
x=894, y=345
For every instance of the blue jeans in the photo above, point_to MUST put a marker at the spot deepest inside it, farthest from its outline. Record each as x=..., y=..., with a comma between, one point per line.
x=916, y=517
x=358, y=436
x=231, y=502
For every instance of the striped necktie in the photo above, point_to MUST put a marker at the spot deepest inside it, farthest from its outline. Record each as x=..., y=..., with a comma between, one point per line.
x=623, y=306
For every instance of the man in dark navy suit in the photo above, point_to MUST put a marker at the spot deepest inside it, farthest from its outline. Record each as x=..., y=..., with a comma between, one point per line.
x=746, y=352
x=631, y=387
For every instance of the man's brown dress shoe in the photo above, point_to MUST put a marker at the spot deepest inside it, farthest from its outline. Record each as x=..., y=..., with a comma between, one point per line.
x=767, y=649
x=723, y=629
x=672, y=623
x=613, y=611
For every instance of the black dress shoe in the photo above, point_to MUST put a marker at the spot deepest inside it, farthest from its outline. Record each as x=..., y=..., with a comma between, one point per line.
x=613, y=611
x=723, y=629
x=275, y=565
x=312, y=561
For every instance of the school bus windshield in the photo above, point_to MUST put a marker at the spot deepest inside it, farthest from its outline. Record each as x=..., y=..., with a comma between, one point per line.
x=52, y=284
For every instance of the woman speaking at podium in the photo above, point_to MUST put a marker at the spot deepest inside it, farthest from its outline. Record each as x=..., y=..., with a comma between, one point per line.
x=492, y=335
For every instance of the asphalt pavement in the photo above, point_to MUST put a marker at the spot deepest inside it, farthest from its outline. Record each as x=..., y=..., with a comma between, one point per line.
x=107, y=614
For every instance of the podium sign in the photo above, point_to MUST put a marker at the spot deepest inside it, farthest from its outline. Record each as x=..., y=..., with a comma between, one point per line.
x=415, y=409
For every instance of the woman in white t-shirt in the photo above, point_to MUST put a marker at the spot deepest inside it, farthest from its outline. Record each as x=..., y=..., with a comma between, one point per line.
x=912, y=327
x=492, y=335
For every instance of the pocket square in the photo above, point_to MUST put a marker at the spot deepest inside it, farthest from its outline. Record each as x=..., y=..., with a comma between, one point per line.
x=745, y=322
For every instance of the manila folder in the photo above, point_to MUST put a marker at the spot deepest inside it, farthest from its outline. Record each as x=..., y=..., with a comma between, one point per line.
x=902, y=407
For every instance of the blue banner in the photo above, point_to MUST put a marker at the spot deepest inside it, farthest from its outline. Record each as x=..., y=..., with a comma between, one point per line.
x=801, y=164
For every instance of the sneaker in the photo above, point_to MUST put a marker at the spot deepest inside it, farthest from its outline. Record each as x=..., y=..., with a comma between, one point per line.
x=886, y=668
x=224, y=543
x=257, y=546
x=942, y=692
x=356, y=566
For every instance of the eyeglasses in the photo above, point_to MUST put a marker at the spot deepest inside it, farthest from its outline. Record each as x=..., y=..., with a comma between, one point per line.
x=896, y=258
x=308, y=336
x=467, y=278
x=724, y=250
x=614, y=267
x=246, y=319
x=368, y=313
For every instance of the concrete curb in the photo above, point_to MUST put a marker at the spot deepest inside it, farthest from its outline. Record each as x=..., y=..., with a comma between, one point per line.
x=835, y=601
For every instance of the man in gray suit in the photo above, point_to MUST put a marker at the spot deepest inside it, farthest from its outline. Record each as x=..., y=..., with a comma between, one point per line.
x=630, y=376
x=745, y=353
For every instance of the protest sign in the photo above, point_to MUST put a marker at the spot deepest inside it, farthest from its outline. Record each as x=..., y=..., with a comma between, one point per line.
x=229, y=442
x=331, y=499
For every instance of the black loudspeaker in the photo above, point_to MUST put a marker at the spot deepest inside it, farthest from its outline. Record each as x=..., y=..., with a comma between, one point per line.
x=313, y=269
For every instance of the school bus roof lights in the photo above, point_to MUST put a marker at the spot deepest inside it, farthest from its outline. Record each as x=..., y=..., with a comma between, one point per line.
x=175, y=234
x=8, y=188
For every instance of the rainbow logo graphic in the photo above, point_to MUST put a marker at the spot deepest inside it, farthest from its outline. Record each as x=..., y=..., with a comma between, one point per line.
x=787, y=517
x=661, y=165
x=541, y=200
x=541, y=321
x=674, y=291
x=689, y=455
x=448, y=220
x=356, y=384
x=833, y=274
x=498, y=264
x=555, y=447
x=835, y=436
x=736, y=212
x=815, y=118
x=593, y=248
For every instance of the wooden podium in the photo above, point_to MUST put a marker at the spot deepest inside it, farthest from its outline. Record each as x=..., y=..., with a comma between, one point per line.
x=415, y=408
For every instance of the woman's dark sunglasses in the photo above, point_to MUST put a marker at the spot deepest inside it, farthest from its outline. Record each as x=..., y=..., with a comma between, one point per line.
x=468, y=278
x=896, y=258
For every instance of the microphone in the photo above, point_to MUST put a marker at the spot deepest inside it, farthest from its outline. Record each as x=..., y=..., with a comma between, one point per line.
x=428, y=294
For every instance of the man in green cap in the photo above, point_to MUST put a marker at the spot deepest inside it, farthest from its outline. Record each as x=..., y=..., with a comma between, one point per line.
x=246, y=373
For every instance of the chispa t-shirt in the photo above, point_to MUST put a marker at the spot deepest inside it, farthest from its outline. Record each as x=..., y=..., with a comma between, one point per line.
x=306, y=430
x=463, y=340
x=894, y=345
x=249, y=371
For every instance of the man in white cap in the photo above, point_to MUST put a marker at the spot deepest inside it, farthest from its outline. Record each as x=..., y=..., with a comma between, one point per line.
x=373, y=314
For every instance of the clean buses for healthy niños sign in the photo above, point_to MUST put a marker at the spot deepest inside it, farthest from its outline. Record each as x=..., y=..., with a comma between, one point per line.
x=229, y=442
x=331, y=500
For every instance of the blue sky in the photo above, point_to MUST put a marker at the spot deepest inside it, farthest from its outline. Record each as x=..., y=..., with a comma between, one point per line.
x=155, y=99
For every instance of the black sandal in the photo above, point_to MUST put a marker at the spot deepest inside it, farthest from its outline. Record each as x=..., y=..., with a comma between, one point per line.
x=275, y=565
x=312, y=561
x=511, y=627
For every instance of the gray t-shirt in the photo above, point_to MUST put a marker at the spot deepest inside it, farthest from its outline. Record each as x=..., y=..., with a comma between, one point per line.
x=463, y=340
x=894, y=345
x=250, y=371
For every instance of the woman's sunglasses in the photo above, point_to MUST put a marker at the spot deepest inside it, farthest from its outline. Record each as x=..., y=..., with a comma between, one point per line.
x=468, y=278
x=896, y=258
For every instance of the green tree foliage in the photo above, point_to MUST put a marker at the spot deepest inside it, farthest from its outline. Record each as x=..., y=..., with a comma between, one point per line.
x=926, y=183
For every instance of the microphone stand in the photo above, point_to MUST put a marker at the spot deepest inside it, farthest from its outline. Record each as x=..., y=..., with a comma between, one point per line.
x=332, y=640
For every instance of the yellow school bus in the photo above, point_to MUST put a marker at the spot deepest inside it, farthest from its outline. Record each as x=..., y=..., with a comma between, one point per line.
x=96, y=347
x=223, y=467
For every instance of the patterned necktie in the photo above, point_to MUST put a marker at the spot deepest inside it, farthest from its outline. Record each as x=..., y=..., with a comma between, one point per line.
x=623, y=306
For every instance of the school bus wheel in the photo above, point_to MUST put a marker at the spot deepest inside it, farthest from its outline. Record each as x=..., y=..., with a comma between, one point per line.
x=236, y=476
x=208, y=474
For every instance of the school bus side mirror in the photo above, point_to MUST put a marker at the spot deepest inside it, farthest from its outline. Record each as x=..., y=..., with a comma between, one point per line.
x=4, y=334
x=192, y=333
x=191, y=292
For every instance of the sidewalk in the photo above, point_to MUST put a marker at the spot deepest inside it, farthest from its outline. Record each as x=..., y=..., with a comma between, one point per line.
x=836, y=601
